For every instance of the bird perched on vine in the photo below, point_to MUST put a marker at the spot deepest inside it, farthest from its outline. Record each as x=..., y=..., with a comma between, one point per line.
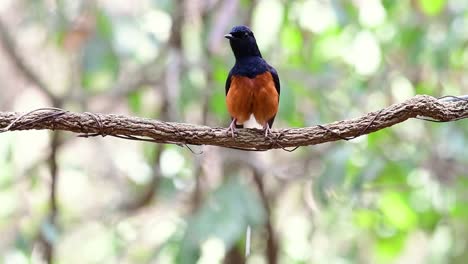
x=252, y=86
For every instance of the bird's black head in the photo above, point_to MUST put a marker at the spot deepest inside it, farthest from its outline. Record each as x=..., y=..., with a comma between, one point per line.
x=243, y=42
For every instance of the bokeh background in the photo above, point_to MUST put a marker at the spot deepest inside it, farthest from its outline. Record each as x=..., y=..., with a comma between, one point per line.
x=395, y=196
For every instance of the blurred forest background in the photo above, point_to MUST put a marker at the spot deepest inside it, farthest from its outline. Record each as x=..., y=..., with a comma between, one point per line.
x=395, y=196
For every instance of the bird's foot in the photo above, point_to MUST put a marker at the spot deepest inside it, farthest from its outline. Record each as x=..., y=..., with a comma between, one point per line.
x=267, y=130
x=232, y=128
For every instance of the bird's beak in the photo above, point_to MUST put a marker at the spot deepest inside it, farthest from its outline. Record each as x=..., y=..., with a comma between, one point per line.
x=228, y=36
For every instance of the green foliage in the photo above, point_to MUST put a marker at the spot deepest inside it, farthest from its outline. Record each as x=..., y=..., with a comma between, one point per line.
x=396, y=211
x=100, y=62
x=225, y=215
x=135, y=102
x=379, y=198
x=432, y=7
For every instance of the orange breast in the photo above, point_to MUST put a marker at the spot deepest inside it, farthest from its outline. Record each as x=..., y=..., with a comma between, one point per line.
x=256, y=96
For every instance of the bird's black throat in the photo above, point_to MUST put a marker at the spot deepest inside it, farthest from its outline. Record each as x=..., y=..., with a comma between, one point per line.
x=243, y=48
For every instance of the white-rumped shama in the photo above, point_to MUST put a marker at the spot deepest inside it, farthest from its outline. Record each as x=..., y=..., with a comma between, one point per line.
x=252, y=86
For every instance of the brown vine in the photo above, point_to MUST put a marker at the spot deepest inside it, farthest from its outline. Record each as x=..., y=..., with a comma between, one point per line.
x=135, y=128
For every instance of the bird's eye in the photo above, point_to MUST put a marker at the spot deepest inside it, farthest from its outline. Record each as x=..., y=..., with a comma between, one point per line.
x=246, y=34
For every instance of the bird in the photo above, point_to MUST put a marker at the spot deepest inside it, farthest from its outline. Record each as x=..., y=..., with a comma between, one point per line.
x=252, y=86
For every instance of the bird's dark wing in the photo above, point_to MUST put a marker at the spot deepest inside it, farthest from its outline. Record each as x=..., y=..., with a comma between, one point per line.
x=275, y=79
x=228, y=82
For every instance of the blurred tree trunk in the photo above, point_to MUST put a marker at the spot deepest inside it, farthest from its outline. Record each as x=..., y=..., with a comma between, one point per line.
x=234, y=256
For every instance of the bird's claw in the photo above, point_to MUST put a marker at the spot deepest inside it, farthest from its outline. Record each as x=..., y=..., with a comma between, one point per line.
x=267, y=130
x=232, y=128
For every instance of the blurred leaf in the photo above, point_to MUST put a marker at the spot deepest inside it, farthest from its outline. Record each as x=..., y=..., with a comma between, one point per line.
x=424, y=88
x=6, y=168
x=104, y=25
x=371, y=194
x=412, y=41
x=59, y=37
x=287, y=107
x=359, y=174
x=189, y=94
x=392, y=175
x=389, y=4
x=325, y=47
x=397, y=211
x=225, y=215
x=218, y=104
x=432, y=7
x=8, y=204
x=458, y=58
x=291, y=39
x=100, y=64
x=366, y=219
x=218, y=98
x=429, y=219
x=135, y=102
x=220, y=72
x=167, y=189
x=167, y=253
x=390, y=247
x=149, y=151
x=459, y=209
x=23, y=243
x=330, y=183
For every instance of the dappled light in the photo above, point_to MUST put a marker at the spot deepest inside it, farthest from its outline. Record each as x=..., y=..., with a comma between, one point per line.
x=114, y=145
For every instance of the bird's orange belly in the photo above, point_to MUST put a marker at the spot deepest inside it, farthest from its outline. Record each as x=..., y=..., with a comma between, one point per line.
x=257, y=96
